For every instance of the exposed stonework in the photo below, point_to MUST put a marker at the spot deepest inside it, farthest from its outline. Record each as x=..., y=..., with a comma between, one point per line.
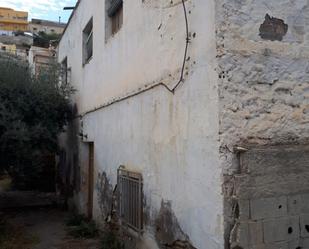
x=263, y=86
x=263, y=76
x=268, y=204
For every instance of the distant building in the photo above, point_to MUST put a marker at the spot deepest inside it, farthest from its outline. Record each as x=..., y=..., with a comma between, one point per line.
x=40, y=58
x=49, y=27
x=12, y=21
x=8, y=48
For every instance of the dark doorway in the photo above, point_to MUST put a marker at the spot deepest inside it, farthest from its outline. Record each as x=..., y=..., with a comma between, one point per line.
x=90, y=180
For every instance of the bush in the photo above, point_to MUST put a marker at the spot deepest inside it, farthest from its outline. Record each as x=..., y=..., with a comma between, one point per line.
x=33, y=111
x=75, y=220
x=110, y=241
x=85, y=230
x=80, y=227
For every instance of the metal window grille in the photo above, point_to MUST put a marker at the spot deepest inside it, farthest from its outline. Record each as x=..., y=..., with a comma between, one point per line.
x=130, y=186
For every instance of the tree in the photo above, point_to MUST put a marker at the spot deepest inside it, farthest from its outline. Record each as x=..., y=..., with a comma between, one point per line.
x=44, y=39
x=33, y=111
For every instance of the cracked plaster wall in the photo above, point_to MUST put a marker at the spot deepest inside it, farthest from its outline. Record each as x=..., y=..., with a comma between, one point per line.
x=172, y=139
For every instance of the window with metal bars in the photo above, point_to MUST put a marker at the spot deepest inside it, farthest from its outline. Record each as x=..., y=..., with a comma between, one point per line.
x=130, y=190
x=88, y=42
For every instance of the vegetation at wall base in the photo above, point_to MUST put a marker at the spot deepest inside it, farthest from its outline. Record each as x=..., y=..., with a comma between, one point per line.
x=80, y=227
x=12, y=237
x=33, y=111
x=110, y=241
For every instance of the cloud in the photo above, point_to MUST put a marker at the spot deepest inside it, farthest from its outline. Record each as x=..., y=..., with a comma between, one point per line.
x=37, y=8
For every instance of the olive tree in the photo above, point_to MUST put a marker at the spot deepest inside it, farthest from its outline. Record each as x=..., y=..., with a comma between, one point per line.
x=33, y=111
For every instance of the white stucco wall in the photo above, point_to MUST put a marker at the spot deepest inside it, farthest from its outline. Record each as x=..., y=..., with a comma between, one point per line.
x=171, y=139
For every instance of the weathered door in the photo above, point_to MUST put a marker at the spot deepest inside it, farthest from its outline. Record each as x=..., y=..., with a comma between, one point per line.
x=90, y=179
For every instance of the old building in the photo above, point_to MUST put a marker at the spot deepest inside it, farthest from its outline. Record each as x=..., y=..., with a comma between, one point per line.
x=40, y=58
x=48, y=27
x=12, y=21
x=8, y=48
x=192, y=120
x=18, y=45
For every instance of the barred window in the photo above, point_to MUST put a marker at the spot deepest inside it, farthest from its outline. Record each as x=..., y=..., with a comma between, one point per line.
x=130, y=185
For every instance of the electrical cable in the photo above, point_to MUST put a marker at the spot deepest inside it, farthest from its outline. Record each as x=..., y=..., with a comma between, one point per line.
x=171, y=90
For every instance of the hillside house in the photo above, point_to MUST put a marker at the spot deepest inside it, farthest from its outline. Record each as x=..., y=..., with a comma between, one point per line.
x=192, y=120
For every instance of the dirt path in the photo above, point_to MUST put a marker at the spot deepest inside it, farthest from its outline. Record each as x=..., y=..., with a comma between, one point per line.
x=44, y=229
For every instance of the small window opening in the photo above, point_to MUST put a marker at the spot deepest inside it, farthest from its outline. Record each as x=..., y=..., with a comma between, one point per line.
x=115, y=16
x=64, y=72
x=130, y=187
x=88, y=42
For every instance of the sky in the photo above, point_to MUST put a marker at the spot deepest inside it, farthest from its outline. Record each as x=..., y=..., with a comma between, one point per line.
x=42, y=9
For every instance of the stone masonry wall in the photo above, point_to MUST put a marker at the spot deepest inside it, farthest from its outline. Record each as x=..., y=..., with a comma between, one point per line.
x=270, y=199
x=263, y=71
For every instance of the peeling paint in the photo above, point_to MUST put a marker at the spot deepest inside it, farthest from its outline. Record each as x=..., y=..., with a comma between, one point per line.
x=105, y=196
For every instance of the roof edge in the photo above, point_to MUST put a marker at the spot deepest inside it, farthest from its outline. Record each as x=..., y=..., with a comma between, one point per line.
x=69, y=21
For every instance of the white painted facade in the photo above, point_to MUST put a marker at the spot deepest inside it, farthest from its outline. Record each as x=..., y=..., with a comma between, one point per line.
x=172, y=139
x=240, y=91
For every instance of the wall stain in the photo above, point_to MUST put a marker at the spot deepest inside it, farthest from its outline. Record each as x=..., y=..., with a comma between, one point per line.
x=168, y=231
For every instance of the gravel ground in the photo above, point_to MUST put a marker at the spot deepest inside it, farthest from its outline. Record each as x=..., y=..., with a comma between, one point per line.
x=45, y=229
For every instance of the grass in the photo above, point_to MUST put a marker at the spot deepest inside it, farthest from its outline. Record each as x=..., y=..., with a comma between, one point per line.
x=5, y=183
x=12, y=237
x=80, y=227
x=110, y=241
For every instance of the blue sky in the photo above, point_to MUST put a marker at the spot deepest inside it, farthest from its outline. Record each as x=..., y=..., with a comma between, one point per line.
x=43, y=9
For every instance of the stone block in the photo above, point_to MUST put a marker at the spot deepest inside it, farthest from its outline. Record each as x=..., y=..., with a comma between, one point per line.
x=298, y=204
x=281, y=230
x=244, y=209
x=304, y=226
x=305, y=244
x=295, y=205
x=282, y=245
x=295, y=244
x=255, y=233
x=305, y=203
x=274, y=160
x=268, y=208
x=242, y=237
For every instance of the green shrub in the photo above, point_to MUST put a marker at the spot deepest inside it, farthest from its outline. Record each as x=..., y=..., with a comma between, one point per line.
x=75, y=220
x=80, y=227
x=85, y=230
x=110, y=241
x=33, y=111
